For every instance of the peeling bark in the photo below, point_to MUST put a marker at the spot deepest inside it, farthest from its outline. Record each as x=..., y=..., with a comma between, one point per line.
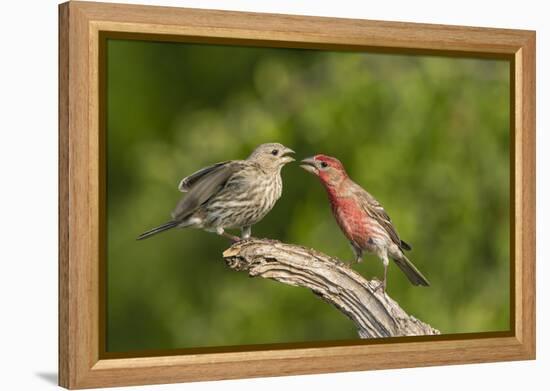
x=374, y=313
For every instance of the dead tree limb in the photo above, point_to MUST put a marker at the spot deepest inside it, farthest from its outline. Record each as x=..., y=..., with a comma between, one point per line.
x=374, y=313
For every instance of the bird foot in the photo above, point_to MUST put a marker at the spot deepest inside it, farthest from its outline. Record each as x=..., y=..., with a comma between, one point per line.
x=347, y=265
x=232, y=238
x=381, y=285
x=248, y=239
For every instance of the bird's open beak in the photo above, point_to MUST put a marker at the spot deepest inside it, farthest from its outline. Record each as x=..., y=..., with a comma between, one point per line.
x=309, y=165
x=286, y=157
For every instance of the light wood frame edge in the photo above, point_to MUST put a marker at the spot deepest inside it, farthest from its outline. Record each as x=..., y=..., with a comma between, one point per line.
x=79, y=363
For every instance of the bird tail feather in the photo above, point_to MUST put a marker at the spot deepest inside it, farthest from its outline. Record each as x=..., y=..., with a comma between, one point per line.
x=405, y=246
x=159, y=229
x=412, y=273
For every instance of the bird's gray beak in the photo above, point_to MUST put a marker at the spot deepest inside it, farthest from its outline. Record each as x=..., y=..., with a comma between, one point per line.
x=309, y=165
x=286, y=157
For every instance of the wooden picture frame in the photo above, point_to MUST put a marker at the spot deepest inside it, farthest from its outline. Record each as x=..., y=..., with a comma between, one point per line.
x=81, y=164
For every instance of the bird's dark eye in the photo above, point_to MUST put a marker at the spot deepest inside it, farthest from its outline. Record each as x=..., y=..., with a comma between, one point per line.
x=324, y=164
x=275, y=152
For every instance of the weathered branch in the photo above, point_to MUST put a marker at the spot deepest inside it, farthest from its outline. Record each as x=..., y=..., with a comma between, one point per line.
x=374, y=313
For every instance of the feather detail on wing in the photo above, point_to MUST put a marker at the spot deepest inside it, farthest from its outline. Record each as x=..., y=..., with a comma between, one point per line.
x=375, y=210
x=189, y=181
x=202, y=186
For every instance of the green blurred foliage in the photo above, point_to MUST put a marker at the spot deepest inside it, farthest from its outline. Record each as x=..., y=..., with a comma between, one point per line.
x=427, y=136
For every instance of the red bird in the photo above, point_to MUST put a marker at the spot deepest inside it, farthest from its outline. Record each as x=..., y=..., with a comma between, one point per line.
x=361, y=218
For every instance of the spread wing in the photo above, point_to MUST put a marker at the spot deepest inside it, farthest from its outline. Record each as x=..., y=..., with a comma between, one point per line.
x=377, y=212
x=187, y=183
x=201, y=186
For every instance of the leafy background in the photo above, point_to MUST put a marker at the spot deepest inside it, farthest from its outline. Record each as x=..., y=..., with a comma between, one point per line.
x=428, y=136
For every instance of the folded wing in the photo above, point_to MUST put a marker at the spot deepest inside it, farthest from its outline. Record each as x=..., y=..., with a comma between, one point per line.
x=375, y=210
x=203, y=185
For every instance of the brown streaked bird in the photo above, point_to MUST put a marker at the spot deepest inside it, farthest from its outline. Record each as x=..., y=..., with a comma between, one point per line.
x=361, y=218
x=230, y=194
